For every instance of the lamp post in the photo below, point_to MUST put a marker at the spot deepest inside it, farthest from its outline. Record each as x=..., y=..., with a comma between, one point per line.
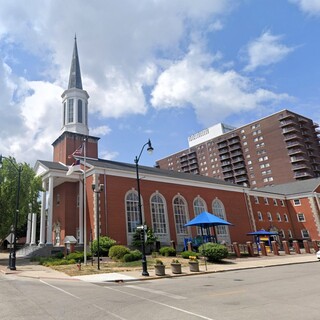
x=142, y=227
x=12, y=255
x=97, y=189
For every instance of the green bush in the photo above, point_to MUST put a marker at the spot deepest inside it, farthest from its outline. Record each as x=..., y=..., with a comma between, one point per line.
x=118, y=251
x=132, y=256
x=187, y=254
x=59, y=255
x=75, y=256
x=168, y=252
x=105, y=243
x=213, y=251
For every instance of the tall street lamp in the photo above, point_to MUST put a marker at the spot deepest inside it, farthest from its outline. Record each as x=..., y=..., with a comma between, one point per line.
x=98, y=189
x=12, y=255
x=142, y=227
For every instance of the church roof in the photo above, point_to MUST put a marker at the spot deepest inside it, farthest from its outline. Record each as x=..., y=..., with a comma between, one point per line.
x=292, y=188
x=114, y=165
x=75, y=74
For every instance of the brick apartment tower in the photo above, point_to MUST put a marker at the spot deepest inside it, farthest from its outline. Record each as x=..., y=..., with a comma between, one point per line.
x=280, y=148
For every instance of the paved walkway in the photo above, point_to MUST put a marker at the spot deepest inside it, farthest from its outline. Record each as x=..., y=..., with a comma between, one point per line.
x=25, y=268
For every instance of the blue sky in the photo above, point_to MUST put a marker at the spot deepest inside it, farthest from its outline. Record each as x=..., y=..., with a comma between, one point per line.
x=158, y=69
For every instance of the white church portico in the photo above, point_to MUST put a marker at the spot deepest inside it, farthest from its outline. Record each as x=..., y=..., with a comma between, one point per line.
x=53, y=176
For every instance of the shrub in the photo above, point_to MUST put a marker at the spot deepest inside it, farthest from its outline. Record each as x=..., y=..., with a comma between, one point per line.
x=59, y=255
x=187, y=254
x=132, y=256
x=168, y=252
x=105, y=243
x=213, y=251
x=75, y=256
x=118, y=251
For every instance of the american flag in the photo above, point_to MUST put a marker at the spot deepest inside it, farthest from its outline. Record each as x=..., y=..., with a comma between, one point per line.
x=77, y=152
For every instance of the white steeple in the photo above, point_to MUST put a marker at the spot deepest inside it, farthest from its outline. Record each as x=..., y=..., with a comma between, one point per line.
x=75, y=100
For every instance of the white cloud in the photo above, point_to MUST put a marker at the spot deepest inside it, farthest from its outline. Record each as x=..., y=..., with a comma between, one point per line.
x=212, y=93
x=100, y=131
x=311, y=7
x=266, y=50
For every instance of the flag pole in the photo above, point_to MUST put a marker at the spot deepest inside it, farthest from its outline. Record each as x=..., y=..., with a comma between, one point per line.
x=84, y=203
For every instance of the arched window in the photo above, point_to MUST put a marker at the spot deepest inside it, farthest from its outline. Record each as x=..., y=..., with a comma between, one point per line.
x=199, y=206
x=285, y=216
x=86, y=114
x=269, y=216
x=218, y=210
x=278, y=216
x=80, y=111
x=260, y=218
x=70, y=110
x=180, y=214
x=132, y=211
x=158, y=212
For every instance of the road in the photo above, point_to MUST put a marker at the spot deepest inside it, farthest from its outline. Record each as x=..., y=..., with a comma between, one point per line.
x=284, y=292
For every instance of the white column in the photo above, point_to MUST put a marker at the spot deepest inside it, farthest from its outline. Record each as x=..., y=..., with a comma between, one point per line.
x=28, y=228
x=33, y=229
x=43, y=215
x=50, y=205
x=81, y=212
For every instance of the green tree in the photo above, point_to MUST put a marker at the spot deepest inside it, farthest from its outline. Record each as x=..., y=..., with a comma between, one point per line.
x=30, y=186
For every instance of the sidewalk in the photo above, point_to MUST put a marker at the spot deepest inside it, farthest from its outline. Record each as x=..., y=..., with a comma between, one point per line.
x=27, y=269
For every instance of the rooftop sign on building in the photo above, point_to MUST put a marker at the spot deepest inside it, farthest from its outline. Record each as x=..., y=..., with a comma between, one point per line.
x=209, y=133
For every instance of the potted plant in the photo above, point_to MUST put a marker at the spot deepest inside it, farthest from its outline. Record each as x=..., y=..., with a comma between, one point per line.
x=193, y=264
x=159, y=268
x=176, y=266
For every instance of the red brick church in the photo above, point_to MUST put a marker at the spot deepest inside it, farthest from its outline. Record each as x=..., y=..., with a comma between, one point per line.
x=169, y=199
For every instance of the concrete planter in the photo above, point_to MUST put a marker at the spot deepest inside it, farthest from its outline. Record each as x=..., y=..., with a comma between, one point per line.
x=176, y=268
x=194, y=266
x=159, y=270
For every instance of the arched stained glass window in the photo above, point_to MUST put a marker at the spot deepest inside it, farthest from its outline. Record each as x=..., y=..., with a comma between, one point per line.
x=132, y=211
x=180, y=214
x=218, y=210
x=158, y=212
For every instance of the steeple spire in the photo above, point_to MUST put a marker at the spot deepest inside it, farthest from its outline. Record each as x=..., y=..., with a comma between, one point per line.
x=75, y=74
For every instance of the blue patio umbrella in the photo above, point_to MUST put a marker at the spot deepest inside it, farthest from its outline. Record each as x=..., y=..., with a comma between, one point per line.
x=206, y=219
x=263, y=232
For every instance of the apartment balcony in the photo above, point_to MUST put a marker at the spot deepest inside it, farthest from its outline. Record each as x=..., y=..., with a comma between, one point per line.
x=240, y=172
x=233, y=141
x=222, y=145
x=296, y=151
x=288, y=122
x=286, y=116
x=237, y=159
x=299, y=167
x=315, y=125
x=291, y=136
x=225, y=156
x=297, y=159
x=304, y=174
x=236, y=153
x=293, y=144
x=242, y=179
x=224, y=150
x=239, y=165
x=228, y=175
x=236, y=146
x=290, y=129
x=300, y=119
x=226, y=169
x=225, y=163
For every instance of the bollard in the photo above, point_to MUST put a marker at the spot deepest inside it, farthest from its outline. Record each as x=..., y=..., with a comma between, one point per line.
x=306, y=246
x=286, y=247
x=79, y=265
x=236, y=249
x=275, y=248
x=263, y=249
x=250, y=248
x=296, y=246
